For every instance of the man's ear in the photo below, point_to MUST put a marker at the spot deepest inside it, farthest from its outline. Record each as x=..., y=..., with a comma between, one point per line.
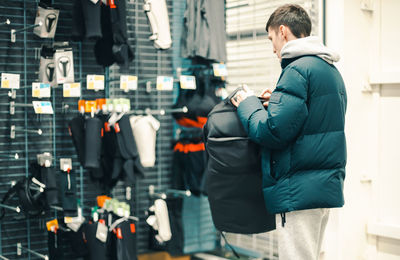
x=283, y=31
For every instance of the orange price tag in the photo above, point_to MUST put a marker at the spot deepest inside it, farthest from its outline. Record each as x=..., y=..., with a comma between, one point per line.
x=81, y=105
x=116, y=127
x=52, y=225
x=133, y=228
x=119, y=233
x=90, y=105
x=100, y=103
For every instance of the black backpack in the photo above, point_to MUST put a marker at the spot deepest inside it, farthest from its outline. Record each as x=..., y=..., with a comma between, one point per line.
x=233, y=175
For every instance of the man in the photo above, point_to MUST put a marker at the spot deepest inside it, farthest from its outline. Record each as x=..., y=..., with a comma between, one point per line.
x=301, y=134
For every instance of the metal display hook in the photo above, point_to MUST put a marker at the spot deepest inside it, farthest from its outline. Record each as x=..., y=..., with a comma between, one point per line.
x=183, y=193
x=14, y=32
x=6, y=22
x=160, y=112
x=10, y=156
x=4, y=258
x=12, y=104
x=14, y=128
x=20, y=248
x=153, y=194
x=16, y=209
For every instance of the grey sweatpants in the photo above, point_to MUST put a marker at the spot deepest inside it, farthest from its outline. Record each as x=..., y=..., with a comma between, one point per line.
x=302, y=235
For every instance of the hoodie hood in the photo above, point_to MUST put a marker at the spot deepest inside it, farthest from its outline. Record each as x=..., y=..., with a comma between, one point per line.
x=310, y=45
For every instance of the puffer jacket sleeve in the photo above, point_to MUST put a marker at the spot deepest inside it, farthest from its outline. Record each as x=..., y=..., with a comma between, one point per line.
x=279, y=125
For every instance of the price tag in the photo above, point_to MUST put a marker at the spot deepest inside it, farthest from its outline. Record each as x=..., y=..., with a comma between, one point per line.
x=220, y=70
x=52, y=225
x=90, y=106
x=188, y=82
x=165, y=83
x=110, y=105
x=40, y=90
x=128, y=83
x=101, y=232
x=42, y=107
x=65, y=164
x=9, y=80
x=126, y=104
x=72, y=89
x=95, y=82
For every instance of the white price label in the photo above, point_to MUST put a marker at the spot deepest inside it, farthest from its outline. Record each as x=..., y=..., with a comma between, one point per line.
x=95, y=82
x=165, y=83
x=42, y=107
x=9, y=80
x=40, y=90
x=72, y=89
x=188, y=82
x=128, y=82
x=220, y=70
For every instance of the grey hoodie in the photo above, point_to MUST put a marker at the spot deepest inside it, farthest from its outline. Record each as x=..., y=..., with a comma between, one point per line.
x=310, y=45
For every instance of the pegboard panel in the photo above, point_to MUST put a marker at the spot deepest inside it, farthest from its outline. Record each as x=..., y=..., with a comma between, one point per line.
x=22, y=57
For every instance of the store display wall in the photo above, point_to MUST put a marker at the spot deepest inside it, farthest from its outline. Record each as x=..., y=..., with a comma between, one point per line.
x=21, y=57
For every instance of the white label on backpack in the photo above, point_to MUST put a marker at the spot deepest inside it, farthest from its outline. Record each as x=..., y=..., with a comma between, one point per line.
x=102, y=232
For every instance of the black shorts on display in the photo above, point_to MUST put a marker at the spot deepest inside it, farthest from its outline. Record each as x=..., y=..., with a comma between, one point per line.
x=93, y=128
x=123, y=244
x=97, y=249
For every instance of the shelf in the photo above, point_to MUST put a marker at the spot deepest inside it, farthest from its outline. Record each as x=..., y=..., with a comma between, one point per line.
x=384, y=230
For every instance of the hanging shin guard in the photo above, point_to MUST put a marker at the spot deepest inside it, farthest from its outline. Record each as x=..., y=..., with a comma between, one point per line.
x=157, y=13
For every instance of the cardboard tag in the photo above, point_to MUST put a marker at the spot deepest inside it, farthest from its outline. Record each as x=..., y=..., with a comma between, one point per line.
x=187, y=82
x=9, y=80
x=52, y=225
x=40, y=90
x=65, y=164
x=117, y=105
x=42, y=107
x=64, y=66
x=109, y=105
x=72, y=89
x=220, y=70
x=90, y=105
x=102, y=232
x=120, y=212
x=95, y=82
x=119, y=233
x=165, y=83
x=133, y=228
x=125, y=104
x=48, y=18
x=128, y=82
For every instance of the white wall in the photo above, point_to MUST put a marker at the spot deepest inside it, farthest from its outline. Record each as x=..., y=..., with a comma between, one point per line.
x=368, y=43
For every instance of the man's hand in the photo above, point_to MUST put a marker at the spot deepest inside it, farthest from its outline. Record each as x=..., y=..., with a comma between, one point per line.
x=241, y=95
x=266, y=95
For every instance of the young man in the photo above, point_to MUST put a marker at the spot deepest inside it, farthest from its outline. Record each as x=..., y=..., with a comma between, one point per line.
x=301, y=134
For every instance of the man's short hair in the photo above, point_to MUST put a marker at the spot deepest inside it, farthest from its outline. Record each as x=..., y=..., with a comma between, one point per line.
x=293, y=16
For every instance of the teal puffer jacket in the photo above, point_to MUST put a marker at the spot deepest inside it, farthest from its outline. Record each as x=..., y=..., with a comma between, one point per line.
x=301, y=135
